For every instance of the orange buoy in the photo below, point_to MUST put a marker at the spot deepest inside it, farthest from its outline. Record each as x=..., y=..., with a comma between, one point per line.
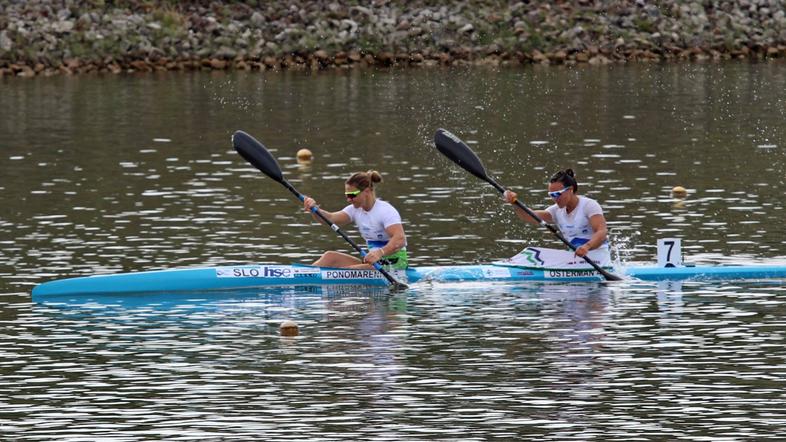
x=304, y=155
x=288, y=328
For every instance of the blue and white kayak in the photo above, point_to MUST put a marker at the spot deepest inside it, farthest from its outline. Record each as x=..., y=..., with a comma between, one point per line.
x=265, y=275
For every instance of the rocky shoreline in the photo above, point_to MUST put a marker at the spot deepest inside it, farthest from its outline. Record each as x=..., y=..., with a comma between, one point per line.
x=49, y=37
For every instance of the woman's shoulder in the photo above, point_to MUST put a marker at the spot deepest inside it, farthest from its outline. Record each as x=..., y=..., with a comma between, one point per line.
x=384, y=204
x=589, y=204
x=585, y=199
x=384, y=208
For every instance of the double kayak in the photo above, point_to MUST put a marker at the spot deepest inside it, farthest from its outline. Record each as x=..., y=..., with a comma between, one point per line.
x=268, y=275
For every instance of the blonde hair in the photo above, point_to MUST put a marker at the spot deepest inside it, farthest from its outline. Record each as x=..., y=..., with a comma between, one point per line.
x=364, y=180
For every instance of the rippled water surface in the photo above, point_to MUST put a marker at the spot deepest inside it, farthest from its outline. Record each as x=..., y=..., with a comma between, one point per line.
x=109, y=174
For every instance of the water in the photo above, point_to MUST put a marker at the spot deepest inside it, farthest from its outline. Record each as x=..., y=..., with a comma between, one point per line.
x=133, y=173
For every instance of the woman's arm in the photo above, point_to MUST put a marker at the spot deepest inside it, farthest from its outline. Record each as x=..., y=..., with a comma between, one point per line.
x=598, y=224
x=339, y=218
x=396, y=243
x=510, y=198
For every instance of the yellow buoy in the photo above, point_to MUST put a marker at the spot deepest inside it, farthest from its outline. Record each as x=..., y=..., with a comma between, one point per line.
x=304, y=155
x=288, y=328
x=679, y=192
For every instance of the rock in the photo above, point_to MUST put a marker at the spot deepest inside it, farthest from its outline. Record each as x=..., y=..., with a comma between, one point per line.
x=63, y=27
x=258, y=19
x=25, y=71
x=538, y=56
x=225, y=53
x=599, y=60
x=444, y=58
x=140, y=65
x=559, y=56
x=321, y=55
x=72, y=63
x=203, y=34
x=218, y=64
x=270, y=62
x=6, y=44
x=385, y=58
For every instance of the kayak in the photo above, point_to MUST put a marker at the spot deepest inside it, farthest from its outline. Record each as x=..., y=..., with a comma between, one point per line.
x=270, y=275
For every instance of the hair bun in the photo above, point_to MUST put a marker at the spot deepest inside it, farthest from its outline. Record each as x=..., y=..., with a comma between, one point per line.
x=374, y=176
x=363, y=180
x=567, y=178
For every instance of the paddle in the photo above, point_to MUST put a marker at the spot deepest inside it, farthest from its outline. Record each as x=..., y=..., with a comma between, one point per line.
x=452, y=147
x=255, y=153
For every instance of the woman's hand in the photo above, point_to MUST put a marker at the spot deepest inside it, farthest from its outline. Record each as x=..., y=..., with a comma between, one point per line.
x=510, y=196
x=308, y=203
x=373, y=256
x=582, y=251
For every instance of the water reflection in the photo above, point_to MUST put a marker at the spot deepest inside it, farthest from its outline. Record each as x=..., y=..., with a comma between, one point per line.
x=503, y=360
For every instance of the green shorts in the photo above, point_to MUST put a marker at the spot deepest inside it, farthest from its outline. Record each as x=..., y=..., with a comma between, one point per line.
x=395, y=261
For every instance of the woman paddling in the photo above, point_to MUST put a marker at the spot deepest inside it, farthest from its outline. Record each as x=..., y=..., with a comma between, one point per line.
x=378, y=221
x=580, y=219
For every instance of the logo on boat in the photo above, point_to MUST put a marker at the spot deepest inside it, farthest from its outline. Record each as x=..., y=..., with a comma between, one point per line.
x=553, y=273
x=278, y=272
x=306, y=272
x=255, y=272
x=532, y=256
x=350, y=274
x=239, y=272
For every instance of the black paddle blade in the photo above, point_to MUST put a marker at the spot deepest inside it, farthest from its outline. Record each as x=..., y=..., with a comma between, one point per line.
x=255, y=153
x=452, y=147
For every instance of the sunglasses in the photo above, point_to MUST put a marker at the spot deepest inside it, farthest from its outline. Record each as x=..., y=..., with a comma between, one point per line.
x=353, y=194
x=555, y=195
